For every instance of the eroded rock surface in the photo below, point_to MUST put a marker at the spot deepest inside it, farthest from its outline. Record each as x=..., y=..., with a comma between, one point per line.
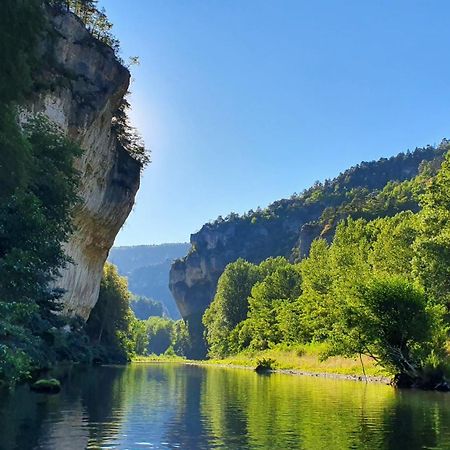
x=81, y=90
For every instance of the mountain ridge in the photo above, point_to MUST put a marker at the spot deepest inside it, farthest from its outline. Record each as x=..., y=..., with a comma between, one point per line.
x=147, y=269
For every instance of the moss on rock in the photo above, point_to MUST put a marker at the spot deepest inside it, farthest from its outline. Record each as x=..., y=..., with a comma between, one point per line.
x=46, y=386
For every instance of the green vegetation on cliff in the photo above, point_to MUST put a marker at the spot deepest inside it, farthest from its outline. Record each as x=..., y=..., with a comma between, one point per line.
x=379, y=289
x=368, y=190
x=287, y=227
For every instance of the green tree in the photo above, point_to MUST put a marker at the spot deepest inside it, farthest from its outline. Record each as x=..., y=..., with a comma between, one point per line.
x=269, y=302
x=392, y=322
x=110, y=324
x=139, y=336
x=315, y=304
x=34, y=222
x=21, y=23
x=230, y=304
x=181, y=340
x=392, y=252
x=144, y=307
x=160, y=333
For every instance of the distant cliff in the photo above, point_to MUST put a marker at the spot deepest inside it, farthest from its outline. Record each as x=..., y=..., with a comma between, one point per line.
x=147, y=269
x=81, y=89
x=287, y=227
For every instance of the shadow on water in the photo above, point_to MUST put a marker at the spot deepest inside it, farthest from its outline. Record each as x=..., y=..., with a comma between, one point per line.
x=186, y=407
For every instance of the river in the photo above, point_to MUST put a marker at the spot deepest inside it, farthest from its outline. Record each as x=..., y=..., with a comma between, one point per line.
x=175, y=406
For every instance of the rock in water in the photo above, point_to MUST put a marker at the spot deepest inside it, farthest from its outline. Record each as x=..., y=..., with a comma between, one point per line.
x=46, y=386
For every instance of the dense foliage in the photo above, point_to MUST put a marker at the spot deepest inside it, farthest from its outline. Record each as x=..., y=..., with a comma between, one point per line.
x=144, y=307
x=110, y=324
x=287, y=227
x=117, y=335
x=380, y=289
x=166, y=336
x=367, y=190
x=35, y=219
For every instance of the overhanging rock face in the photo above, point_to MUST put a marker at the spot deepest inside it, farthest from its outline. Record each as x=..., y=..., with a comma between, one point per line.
x=82, y=88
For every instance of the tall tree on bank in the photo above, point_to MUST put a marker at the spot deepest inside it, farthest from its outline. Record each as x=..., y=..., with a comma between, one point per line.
x=35, y=219
x=110, y=324
x=230, y=304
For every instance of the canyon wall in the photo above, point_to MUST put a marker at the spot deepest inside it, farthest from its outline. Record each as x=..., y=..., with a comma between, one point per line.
x=80, y=89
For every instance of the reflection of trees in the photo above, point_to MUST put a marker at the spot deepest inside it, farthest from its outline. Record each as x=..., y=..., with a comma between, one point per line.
x=312, y=413
x=20, y=419
x=418, y=420
x=196, y=408
x=89, y=410
x=102, y=398
x=225, y=405
x=151, y=401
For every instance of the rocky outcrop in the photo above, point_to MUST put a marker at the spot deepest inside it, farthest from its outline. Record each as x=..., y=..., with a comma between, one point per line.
x=80, y=90
x=286, y=228
x=193, y=279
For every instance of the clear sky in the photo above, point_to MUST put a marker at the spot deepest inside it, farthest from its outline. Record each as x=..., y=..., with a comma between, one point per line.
x=243, y=102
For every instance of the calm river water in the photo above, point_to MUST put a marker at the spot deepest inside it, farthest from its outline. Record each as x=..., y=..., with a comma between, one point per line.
x=159, y=406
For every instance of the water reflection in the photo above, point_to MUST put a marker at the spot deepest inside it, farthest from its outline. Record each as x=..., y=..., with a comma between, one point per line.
x=176, y=406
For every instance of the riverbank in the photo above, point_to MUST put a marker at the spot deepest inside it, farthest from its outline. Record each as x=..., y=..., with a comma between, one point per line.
x=303, y=361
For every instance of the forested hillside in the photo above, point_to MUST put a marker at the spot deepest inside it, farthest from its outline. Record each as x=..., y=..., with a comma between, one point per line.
x=147, y=269
x=287, y=227
x=379, y=288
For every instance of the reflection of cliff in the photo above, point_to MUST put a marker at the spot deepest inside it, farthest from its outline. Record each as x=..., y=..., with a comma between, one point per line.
x=81, y=91
x=190, y=430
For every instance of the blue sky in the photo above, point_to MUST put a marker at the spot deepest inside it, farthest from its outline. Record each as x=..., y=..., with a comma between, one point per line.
x=243, y=102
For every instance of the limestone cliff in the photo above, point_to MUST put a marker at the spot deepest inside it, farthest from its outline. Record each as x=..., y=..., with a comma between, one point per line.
x=286, y=228
x=80, y=89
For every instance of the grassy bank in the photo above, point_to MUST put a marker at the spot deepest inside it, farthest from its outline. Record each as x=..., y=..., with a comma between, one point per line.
x=159, y=358
x=304, y=358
